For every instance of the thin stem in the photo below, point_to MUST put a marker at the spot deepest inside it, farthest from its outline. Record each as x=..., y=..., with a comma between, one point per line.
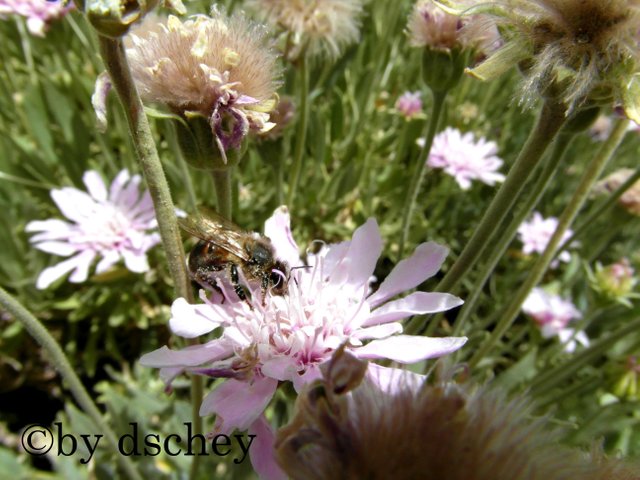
x=420, y=168
x=301, y=134
x=547, y=126
x=590, y=176
x=224, y=190
x=115, y=60
x=551, y=118
x=506, y=235
x=611, y=200
x=62, y=365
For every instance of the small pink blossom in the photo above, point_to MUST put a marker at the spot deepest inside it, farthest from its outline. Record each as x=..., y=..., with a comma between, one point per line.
x=114, y=225
x=464, y=158
x=536, y=233
x=553, y=314
x=329, y=302
x=409, y=104
x=39, y=13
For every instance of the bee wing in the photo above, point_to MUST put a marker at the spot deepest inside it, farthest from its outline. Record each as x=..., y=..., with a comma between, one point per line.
x=215, y=229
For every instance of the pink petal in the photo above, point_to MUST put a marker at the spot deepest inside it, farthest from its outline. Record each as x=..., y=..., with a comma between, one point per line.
x=118, y=183
x=262, y=452
x=424, y=263
x=363, y=254
x=278, y=229
x=379, y=331
x=238, y=404
x=109, y=259
x=414, y=304
x=53, y=225
x=313, y=373
x=391, y=380
x=191, y=321
x=57, y=248
x=74, y=204
x=83, y=263
x=410, y=348
x=95, y=185
x=51, y=274
x=135, y=261
x=187, y=357
x=281, y=368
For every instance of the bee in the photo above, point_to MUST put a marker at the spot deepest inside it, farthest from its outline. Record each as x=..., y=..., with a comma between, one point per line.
x=225, y=247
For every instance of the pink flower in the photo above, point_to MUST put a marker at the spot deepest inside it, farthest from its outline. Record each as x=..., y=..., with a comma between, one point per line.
x=465, y=159
x=535, y=236
x=552, y=313
x=112, y=224
x=328, y=303
x=409, y=104
x=39, y=13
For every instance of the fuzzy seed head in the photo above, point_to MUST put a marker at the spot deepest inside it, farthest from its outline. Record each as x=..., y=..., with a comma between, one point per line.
x=441, y=431
x=584, y=48
x=323, y=26
x=431, y=27
x=219, y=67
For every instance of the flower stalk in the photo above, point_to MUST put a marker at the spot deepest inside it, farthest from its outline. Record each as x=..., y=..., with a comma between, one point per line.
x=420, y=168
x=590, y=176
x=222, y=180
x=551, y=118
x=506, y=237
x=115, y=60
x=62, y=365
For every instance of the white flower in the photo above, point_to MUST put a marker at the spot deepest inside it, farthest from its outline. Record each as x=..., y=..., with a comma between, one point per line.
x=327, y=304
x=536, y=233
x=553, y=314
x=465, y=159
x=112, y=224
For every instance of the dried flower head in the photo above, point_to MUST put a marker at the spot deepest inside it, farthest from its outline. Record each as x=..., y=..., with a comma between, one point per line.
x=39, y=13
x=219, y=68
x=630, y=199
x=322, y=26
x=573, y=50
x=431, y=432
x=431, y=27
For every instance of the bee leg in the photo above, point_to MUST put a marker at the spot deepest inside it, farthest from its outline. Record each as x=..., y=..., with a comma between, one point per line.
x=240, y=289
x=264, y=285
x=206, y=279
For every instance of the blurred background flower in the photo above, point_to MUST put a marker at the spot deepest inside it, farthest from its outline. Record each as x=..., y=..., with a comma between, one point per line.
x=409, y=104
x=464, y=158
x=113, y=225
x=39, y=13
x=552, y=314
x=536, y=233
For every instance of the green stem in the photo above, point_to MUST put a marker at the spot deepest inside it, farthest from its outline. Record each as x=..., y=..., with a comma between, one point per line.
x=611, y=200
x=551, y=378
x=506, y=235
x=420, y=168
x=116, y=63
x=115, y=60
x=62, y=365
x=551, y=118
x=590, y=176
x=301, y=134
x=224, y=190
